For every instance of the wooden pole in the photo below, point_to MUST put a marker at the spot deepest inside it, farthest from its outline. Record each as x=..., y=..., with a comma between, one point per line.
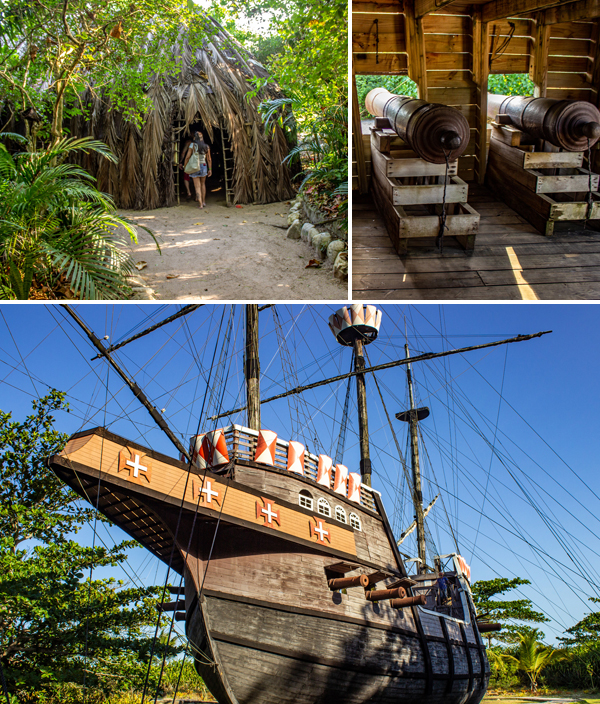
x=252, y=367
x=416, y=469
x=481, y=71
x=363, y=424
x=359, y=147
x=539, y=63
x=379, y=367
x=415, y=36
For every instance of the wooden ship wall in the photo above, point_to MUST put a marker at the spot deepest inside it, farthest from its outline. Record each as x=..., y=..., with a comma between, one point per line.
x=264, y=620
x=449, y=49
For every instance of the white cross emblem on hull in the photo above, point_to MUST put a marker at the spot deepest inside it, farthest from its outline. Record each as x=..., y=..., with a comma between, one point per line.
x=319, y=531
x=208, y=492
x=268, y=513
x=137, y=467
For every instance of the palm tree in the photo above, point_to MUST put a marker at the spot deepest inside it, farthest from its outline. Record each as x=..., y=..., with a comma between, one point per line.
x=532, y=656
x=56, y=226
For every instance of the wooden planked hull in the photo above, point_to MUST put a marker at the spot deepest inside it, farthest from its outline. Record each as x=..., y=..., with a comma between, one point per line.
x=262, y=622
x=323, y=660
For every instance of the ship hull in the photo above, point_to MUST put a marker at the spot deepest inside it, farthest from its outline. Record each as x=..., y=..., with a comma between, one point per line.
x=263, y=624
x=265, y=655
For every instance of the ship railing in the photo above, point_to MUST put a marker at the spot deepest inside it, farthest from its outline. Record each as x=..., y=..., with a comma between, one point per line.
x=241, y=444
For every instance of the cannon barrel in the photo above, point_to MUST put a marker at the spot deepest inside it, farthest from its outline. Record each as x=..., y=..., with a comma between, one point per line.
x=485, y=627
x=431, y=130
x=361, y=580
x=381, y=594
x=419, y=600
x=565, y=123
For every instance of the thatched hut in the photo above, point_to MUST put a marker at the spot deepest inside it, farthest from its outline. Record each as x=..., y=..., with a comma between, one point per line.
x=209, y=91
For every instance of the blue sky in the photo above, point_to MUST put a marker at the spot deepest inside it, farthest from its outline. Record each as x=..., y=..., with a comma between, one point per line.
x=518, y=470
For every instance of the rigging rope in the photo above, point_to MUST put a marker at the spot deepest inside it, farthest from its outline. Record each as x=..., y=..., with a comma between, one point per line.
x=180, y=513
x=439, y=240
x=341, y=443
x=492, y=454
x=219, y=387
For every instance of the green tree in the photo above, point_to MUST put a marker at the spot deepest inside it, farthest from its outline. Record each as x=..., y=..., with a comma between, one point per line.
x=56, y=228
x=303, y=44
x=57, y=622
x=51, y=51
x=494, y=610
x=586, y=631
x=510, y=84
x=400, y=85
x=531, y=657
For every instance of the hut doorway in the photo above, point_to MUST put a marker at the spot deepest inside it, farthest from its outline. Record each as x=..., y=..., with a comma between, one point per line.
x=219, y=186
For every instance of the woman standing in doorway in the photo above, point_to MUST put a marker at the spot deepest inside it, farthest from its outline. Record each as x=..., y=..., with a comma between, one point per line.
x=201, y=152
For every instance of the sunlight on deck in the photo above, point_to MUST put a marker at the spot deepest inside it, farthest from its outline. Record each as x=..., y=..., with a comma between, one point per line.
x=527, y=293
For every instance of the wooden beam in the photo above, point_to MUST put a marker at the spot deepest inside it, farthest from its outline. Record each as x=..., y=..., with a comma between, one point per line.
x=481, y=47
x=424, y=7
x=573, y=11
x=499, y=9
x=596, y=63
x=415, y=39
x=538, y=71
x=359, y=148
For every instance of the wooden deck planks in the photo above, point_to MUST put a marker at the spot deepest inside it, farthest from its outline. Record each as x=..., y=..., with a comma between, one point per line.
x=511, y=261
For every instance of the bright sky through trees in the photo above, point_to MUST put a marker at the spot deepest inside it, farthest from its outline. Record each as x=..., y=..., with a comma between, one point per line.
x=527, y=508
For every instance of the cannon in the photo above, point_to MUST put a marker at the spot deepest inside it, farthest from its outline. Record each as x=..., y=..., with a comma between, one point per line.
x=433, y=131
x=568, y=124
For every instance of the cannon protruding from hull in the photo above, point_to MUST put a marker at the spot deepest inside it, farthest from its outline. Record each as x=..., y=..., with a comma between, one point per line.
x=567, y=124
x=433, y=131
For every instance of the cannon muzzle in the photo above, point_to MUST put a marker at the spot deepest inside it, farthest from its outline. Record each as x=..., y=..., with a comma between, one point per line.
x=432, y=130
x=567, y=124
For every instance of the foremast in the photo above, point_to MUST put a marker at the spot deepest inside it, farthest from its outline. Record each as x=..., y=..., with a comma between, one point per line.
x=414, y=415
x=252, y=367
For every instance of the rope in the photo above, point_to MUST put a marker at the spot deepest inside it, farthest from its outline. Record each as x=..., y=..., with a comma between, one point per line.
x=162, y=600
x=439, y=241
x=341, y=444
x=95, y=531
x=589, y=197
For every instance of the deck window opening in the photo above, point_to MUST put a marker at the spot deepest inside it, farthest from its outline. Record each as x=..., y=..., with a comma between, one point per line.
x=305, y=500
x=355, y=521
x=340, y=514
x=323, y=507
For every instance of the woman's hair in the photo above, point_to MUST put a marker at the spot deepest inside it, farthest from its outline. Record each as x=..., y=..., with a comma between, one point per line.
x=202, y=145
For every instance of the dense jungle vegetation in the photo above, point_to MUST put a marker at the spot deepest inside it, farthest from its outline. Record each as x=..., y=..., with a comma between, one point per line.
x=60, y=237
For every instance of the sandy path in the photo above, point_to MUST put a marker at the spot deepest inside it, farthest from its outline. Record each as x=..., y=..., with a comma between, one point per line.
x=229, y=254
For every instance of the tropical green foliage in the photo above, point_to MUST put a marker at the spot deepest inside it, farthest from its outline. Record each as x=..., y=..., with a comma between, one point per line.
x=531, y=657
x=400, y=85
x=58, y=622
x=56, y=229
x=303, y=44
x=510, y=84
x=493, y=609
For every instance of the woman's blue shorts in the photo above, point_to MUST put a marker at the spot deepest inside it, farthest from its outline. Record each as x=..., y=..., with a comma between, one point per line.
x=199, y=174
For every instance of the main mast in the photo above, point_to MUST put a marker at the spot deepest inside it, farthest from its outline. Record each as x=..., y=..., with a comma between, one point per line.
x=357, y=326
x=412, y=417
x=252, y=367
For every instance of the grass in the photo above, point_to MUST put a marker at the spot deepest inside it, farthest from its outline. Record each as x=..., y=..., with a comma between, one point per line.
x=581, y=697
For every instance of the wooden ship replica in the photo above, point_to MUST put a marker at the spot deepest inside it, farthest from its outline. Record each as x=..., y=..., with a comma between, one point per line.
x=294, y=589
x=449, y=49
